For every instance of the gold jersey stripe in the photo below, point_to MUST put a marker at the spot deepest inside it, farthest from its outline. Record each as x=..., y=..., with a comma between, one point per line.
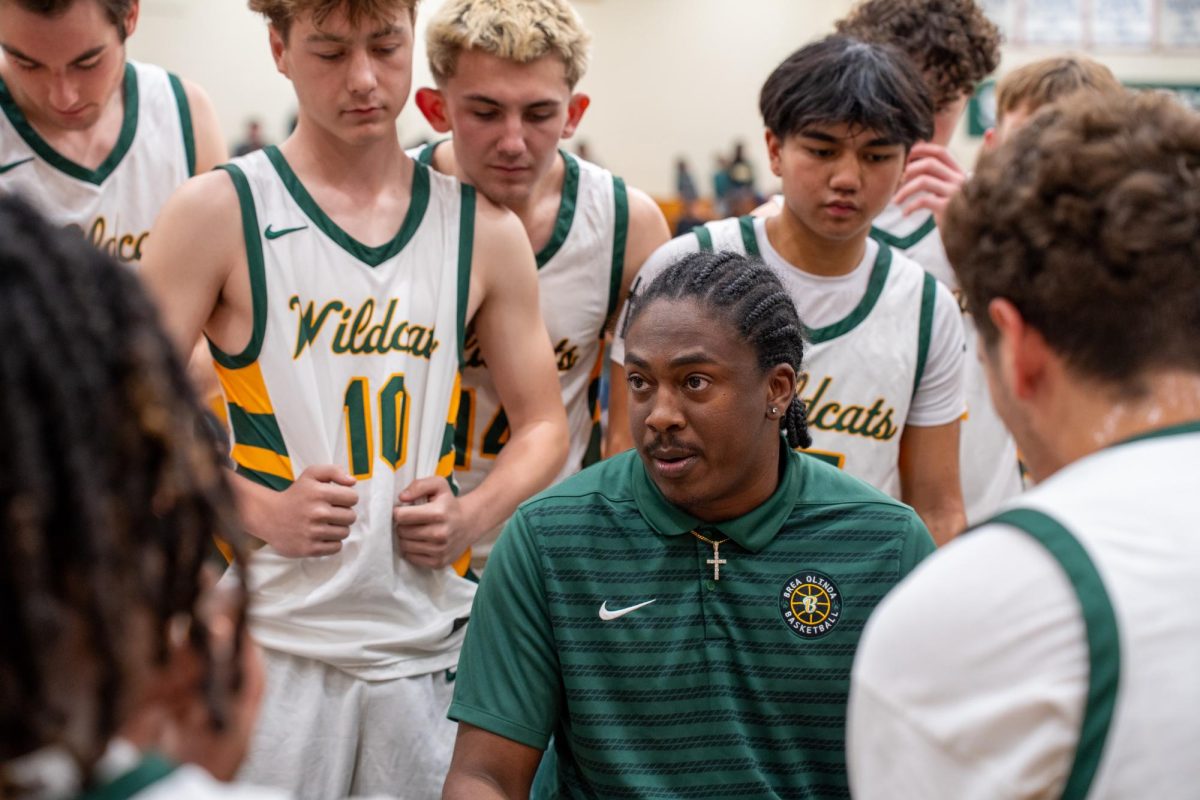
x=260, y=459
x=245, y=387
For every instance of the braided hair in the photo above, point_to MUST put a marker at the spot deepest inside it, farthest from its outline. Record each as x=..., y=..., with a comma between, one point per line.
x=108, y=497
x=744, y=292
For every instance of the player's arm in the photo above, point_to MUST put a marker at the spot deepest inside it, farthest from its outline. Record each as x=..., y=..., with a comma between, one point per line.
x=929, y=447
x=515, y=345
x=647, y=232
x=206, y=129
x=929, y=480
x=487, y=766
x=193, y=259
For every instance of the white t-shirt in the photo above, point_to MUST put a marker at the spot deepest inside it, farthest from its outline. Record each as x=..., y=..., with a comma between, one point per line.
x=974, y=675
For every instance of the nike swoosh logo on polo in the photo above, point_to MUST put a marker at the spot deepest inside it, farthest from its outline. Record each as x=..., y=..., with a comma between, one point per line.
x=270, y=234
x=609, y=616
x=14, y=165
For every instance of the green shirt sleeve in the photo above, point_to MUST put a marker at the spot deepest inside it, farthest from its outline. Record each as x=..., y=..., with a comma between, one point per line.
x=509, y=680
x=918, y=545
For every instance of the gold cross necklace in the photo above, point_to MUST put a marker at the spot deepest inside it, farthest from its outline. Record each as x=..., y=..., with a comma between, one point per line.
x=716, y=560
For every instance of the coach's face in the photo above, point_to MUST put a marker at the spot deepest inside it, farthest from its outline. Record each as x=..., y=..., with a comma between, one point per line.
x=64, y=70
x=699, y=409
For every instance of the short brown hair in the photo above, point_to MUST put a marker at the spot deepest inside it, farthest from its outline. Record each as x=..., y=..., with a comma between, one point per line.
x=1043, y=82
x=282, y=13
x=1088, y=221
x=952, y=41
x=115, y=10
x=515, y=30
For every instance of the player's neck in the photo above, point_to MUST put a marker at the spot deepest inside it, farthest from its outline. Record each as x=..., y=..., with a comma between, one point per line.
x=363, y=168
x=1086, y=418
x=538, y=211
x=808, y=252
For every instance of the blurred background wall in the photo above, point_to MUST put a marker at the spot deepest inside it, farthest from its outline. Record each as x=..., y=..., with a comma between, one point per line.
x=672, y=78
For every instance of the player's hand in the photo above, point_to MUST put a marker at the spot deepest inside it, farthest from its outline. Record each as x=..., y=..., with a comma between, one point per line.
x=312, y=516
x=931, y=179
x=431, y=528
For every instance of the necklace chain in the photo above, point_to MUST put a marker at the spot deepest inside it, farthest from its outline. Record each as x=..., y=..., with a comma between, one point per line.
x=706, y=540
x=716, y=561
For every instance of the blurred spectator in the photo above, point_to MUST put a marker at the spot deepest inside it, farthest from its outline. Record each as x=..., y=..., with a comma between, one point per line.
x=253, y=141
x=685, y=185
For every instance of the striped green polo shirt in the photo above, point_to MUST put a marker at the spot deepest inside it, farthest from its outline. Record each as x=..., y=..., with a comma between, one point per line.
x=599, y=620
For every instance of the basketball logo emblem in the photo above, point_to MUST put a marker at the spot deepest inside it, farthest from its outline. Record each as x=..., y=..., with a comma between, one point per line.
x=811, y=604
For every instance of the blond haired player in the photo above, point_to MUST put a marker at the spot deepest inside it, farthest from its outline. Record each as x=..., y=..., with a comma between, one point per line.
x=94, y=140
x=1022, y=92
x=338, y=337
x=506, y=74
x=1065, y=665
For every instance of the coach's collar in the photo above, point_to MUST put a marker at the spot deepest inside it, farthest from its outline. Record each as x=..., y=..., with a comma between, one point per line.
x=753, y=530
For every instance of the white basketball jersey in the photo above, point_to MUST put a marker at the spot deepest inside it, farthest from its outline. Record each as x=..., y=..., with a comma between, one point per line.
x=116, y=204
x=987, y=453
x=1122, y=524
x=579, y=281
x=861, y=372
x=354, y=361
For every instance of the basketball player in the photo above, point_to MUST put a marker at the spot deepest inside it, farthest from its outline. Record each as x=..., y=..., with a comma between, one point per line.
x=1065, y=665
x=1024, y=91
x=883, y=384
x=729, y=574
x=955, y=46
x=97, y=142
x=506, y=74
x=112, y=648
x=338, y=338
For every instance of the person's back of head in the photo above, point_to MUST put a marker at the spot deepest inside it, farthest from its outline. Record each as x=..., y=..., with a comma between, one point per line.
x=1025, y=90
x=1088, y=221
x=282, y=13
x=521, y=31
x=952, y=42
x=841, y=80
x=108, y=499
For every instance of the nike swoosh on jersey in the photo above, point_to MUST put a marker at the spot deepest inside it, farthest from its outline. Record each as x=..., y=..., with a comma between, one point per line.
x=6, y=167
x=270, y=234
x=608, y=616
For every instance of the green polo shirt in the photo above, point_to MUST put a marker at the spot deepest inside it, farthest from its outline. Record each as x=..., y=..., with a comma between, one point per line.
x=734, y=687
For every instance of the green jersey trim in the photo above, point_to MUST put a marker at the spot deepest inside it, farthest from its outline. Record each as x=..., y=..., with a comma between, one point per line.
x=875, y=284
x=749, y=236
x=704, y=236
x=904, y=242
x=258, y=274
x=620, y=239
x=466, y=248
x=1103, y=638
x=60, y=162
x=1181, y=429
x=425, y=154
x=263, y=478
x=185, y=121
x=151, y=770
x=371, y=256
x=925, y=333
x=566, y=210
x=754, y=530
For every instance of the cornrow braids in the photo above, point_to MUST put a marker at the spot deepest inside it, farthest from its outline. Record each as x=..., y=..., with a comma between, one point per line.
x=744, y=292
x=108, y=497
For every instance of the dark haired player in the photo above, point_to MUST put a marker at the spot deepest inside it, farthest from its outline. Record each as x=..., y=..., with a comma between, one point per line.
x=1066, y=663
x=110, y=647
x=682, y=618
x=883, y=380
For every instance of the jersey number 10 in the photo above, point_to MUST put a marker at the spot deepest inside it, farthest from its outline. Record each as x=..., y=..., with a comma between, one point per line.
x=392, y=422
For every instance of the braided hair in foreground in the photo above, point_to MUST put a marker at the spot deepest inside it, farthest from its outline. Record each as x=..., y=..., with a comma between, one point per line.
x=108, y=498
x=748, y=296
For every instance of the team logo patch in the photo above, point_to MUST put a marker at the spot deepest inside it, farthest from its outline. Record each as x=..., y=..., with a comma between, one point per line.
x=811, y=604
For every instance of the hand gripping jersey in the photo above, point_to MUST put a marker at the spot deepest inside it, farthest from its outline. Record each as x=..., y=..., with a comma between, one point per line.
x=861, y=372
x=987, y=452
x=116, y=204
x=579, y=281
x=353, y=361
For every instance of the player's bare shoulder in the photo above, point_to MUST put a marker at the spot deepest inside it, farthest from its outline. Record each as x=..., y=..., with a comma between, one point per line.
x=502, y=255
